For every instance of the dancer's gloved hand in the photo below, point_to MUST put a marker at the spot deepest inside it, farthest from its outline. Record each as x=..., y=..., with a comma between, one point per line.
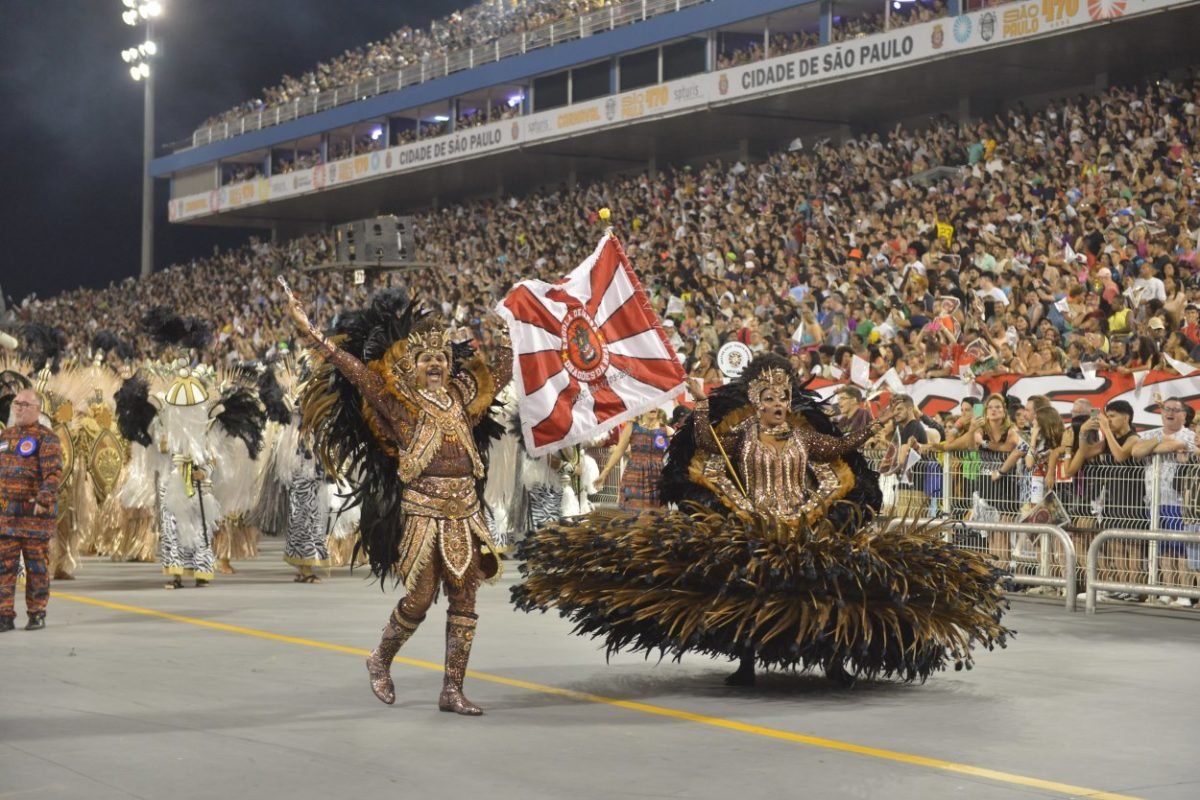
x=296, y=307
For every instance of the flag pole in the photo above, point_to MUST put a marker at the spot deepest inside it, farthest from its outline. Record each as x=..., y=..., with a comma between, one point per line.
x=728, y=464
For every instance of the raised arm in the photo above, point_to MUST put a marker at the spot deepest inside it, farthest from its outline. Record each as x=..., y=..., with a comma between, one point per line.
x=823, y=448
x=369, y=383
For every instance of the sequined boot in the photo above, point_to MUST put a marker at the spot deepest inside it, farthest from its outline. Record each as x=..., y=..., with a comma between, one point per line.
x=460, y=632
x=379, y=664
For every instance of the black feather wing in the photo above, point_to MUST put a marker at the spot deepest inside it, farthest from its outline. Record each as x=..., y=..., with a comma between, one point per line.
x=135, y=412
x=271, y=393
x=43, y=345
x=243, y=417
x=332, y=414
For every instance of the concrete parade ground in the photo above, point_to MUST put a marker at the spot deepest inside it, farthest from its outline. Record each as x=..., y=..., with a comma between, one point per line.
x=255, y=687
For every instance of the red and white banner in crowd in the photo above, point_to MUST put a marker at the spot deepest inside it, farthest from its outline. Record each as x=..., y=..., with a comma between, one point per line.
x=588, y=352
x=1140, y=390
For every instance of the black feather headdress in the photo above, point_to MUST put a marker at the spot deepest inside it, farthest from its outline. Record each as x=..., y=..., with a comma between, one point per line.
x=43, y=345
x=167, y=327
x=109, y=342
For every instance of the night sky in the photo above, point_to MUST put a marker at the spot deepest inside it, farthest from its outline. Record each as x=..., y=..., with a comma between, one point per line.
x=71, y=118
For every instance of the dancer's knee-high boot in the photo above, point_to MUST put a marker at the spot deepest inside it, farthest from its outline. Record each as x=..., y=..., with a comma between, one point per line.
x=460, y=632
x=379, y=664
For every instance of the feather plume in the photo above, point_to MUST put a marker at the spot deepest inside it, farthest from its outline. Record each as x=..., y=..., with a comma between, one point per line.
x=135, y=412
x=109, y=342
x=243, y=417
x=900, y=603
x=43, y=345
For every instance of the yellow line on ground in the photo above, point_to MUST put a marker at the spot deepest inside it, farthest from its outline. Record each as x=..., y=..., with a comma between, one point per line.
x=645, y=708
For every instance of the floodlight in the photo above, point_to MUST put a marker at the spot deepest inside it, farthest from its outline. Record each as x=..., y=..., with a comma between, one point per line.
x=130, y=17
x=144, y=68
x=149, y=48
x=135, y=73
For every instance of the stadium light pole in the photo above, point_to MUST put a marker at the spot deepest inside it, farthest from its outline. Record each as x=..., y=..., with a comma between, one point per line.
x=137, y=12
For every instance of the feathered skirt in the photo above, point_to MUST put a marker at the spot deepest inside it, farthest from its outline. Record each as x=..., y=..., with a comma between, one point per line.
x=900, y=603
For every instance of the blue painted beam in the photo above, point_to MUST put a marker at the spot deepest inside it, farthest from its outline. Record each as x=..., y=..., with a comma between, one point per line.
x=517, y=69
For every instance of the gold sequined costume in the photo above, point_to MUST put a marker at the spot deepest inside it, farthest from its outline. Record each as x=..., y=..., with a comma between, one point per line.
x=434, y=535
x=772, y=554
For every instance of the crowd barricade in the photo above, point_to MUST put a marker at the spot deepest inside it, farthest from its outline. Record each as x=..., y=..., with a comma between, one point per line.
x=1161, y=493
x=1172, y=560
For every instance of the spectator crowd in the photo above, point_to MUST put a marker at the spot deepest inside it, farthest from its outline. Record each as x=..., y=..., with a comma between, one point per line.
x=1036, y=242
x=843, y=28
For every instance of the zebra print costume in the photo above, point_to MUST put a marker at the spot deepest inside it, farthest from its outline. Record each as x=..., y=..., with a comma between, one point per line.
x=308, y=515
x=178, y=560
x=545, y=505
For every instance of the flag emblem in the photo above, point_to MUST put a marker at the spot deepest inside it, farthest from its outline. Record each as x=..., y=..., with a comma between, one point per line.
x=589, y=351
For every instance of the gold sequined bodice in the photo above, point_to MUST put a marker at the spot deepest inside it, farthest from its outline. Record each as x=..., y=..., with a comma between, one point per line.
x=774, y=476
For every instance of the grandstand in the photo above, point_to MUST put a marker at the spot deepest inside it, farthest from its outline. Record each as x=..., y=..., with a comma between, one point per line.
x=635, y=94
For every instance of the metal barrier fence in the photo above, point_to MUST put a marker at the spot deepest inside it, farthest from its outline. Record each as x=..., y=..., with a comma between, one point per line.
x=1159, y=494
x=1170, y=553
x=608, y=494
x=606, y=19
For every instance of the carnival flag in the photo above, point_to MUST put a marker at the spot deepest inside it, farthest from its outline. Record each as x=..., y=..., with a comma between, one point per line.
x=588, y=352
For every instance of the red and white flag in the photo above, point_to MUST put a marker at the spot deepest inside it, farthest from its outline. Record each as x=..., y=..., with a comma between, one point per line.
x=589, y=352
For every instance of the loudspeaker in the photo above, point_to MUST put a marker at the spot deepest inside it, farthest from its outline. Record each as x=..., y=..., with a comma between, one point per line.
x=382, y=241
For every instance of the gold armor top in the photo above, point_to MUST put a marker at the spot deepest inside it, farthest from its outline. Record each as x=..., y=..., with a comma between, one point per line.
x=428, y=432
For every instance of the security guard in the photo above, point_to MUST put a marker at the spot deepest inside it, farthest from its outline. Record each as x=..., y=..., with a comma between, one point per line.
x=30, y=469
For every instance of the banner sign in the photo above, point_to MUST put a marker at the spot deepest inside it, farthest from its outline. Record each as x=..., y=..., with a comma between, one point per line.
x=1140, y=390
